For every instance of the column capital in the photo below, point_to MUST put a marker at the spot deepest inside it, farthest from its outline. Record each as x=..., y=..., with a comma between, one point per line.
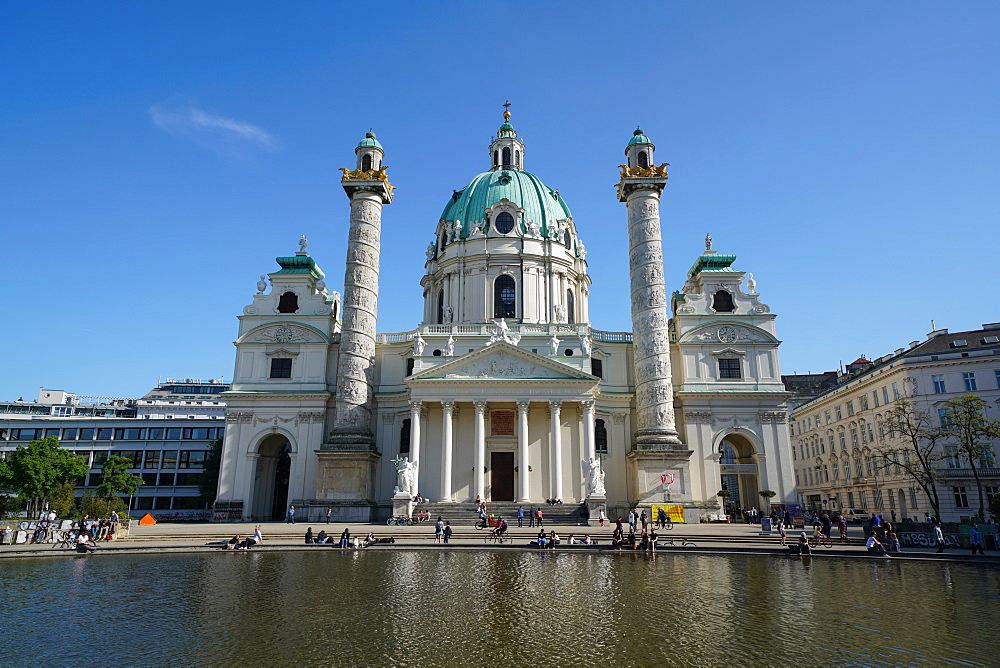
x=555, y=404
x=522, y=406
x=479, y=406
x=415, y=405
x=588, y=405
x=448, y=406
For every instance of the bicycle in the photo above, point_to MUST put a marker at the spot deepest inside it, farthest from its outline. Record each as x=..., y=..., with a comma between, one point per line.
x=685, y=542
x=667, y=524
x=399, y=521
x=64, y=539
x=495, y=536
x=816, y=541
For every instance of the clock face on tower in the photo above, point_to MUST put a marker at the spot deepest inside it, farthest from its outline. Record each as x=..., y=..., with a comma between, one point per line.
x=283, y=335
x=727, y=334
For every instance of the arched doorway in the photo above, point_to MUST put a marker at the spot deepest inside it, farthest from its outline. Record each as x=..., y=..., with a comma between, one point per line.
x=738, y=467
x=270, y=490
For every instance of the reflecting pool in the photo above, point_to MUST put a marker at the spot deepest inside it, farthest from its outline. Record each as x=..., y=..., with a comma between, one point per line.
x=425, y=607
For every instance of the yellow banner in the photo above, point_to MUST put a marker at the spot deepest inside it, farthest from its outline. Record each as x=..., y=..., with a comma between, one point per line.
x=675, y=513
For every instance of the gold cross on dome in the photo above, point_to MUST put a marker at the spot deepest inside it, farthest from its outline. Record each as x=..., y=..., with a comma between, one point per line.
x=506, y=111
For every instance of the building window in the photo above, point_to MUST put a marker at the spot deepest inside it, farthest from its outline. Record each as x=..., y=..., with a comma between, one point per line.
x=504, y=297
x=570, y=308
x=288, y=303
x=506, y=157
x=875, y=398
x=951, y=457
x=850, y=408
x=643, y=159
x=895, y=392
x=938, y=384
x=863, y=401
x=504, y=223
x=600, y=437
x=829, y=439
x=496, y=158
x=366, y=162
x=722, y=302
x=404, y=437
x=517, y=159
x=970, y=381
x=409, y=366
x=854, y=436
x=440, y=307
x=961, y=497
x=885, y=394
x=826, y=417
x=840, y=414
x=281, y=367
x=843, y=440
x=944, y=415
x=729, y=368
x=596, y=367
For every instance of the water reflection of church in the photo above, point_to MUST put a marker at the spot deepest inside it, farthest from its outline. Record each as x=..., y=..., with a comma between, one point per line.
x=504, y=390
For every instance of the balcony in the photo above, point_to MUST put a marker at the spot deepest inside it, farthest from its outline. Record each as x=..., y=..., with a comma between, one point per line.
x=967, y=473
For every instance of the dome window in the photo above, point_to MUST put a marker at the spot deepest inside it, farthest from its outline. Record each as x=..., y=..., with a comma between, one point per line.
x=504, y=296
x=444, y=240
x=643, y=159
x=366, y=162
x=570, y=308
x=567, y=239
x=440, y=307
x=288, y=303
x=496, y=159
x=504, y=223
x=506, y=157
x=517, y=159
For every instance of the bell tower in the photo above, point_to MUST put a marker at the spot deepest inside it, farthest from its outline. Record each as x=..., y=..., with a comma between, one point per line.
x=507, y=150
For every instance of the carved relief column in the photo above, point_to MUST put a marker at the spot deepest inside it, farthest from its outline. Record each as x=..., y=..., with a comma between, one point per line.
x=446, y=451
x=415, y=444
x=589, y=451
x=555, y=439
x=640, y=189
x=522, y=452
x=353, y=413
x=479, y=463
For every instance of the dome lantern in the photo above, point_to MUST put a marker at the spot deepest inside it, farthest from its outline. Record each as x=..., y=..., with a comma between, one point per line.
x=507, y=150
x=369, y=152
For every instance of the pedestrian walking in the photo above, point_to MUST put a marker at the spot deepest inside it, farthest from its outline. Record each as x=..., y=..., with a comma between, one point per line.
x=643, y=520
x=447, y=531
x=631, y=520
x=976, y=541
x=602, y=517
x=538, y=516
x=329, y=512
x=520, y=516
x=531, y=516
x=939, y=538
x=439, y=530
x=291, y=515
x=781, y=532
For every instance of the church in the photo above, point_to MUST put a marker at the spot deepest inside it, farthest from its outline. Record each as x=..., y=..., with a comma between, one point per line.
x=505, y=391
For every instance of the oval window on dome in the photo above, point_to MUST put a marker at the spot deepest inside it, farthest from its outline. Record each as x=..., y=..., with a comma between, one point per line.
x=504, y=223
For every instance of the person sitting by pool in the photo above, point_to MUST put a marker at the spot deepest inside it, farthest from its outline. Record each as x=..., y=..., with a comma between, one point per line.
x=541, y=538
x=345, y=538
x=586, y=540
x=802, y=547
x=84, y=544
x=617, y=538
x=309, y=536
x=875, y=547
x=653, y=537
x=322, y=537
x=234, y=543
x=554, y=539
x=370, y=539
x=630, y=540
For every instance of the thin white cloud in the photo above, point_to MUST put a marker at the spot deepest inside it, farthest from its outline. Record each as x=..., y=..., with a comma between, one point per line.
x=217, y=132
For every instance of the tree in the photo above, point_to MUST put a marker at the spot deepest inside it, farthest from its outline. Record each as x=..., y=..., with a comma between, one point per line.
x=767, y=495
x=971, y=432
x=116, y=480
x=36, y=470
x=208, y=485
x=916, y=451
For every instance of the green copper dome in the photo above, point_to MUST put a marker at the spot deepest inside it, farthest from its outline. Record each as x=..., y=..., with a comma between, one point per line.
x=369, y=140
x=541, y=204
x=638, y=138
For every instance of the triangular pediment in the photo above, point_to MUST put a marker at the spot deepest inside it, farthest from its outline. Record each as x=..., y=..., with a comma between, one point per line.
x=502, y=361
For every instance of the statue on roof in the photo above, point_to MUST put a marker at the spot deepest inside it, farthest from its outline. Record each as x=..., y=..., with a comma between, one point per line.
x=303, y=242
x=708, y=242
x=751, y=285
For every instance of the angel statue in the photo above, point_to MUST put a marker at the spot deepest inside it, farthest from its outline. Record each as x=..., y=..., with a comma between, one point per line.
x=554, y=345
x=418, y=345
x=303, y=242
x=449, y=347
x=594, y=476
x=404, y=476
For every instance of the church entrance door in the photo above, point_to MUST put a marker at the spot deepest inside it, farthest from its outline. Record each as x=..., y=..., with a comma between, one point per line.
x=270, y=490
x=502, y=476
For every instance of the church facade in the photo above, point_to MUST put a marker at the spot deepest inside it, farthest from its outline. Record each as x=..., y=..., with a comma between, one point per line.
x=504, y=391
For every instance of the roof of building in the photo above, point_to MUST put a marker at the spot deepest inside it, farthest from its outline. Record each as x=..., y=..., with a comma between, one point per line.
x=541, y=204
x=638, y=138
x=369, y=140
x=809, y=384
x=710, y=261
x=300, y=264
x=941, y=341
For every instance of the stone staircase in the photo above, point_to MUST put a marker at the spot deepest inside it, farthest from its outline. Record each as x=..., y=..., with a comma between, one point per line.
x=464, y=514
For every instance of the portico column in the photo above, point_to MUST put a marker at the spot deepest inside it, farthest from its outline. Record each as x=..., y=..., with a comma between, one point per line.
x=446, y=410
x=522, y=451
x=588, y=430
x=556, y=444
x=478, y=477
x=415, y=444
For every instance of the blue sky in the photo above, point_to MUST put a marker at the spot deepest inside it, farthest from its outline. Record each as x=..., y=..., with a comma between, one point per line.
x=157, y=157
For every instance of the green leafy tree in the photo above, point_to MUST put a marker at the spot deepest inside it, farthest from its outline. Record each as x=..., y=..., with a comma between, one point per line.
x=208, y=484
x=116, y=480
x=912, y=446
x=724, y=494
x=971, y=433
x=767, y=495
x=36, y=470
x=62, y=500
